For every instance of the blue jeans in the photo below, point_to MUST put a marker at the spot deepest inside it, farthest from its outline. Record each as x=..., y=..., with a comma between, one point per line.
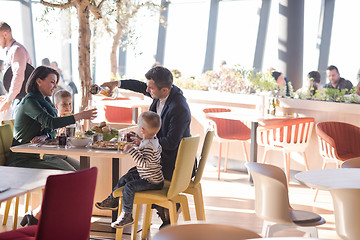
x=133, y=183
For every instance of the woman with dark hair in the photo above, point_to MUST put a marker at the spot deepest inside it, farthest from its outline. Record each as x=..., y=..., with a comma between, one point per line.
x=37, y=121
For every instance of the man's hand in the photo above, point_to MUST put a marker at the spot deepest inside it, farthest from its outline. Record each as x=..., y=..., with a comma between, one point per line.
x=4, y=106
x=111, y=85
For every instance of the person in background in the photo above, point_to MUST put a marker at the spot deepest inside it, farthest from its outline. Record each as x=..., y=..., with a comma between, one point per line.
x=147, y=175
x=2, y=67
x=358, y=85
x=337, y=82
x=312, y=84
x=281, y=81
x=45, y=62
x=170, y=103
x=16, y=57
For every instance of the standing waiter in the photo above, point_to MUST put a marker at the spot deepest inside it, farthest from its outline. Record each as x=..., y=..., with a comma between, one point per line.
x=16, y=57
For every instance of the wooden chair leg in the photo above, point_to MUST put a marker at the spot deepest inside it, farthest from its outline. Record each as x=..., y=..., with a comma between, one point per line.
x=317, y=190
x=199, y=203
x=265, y=155
x=245, y=151
x=27, y=202
x=287, y=165
x=219, y=165
x=146, y=222
x=16, y=212
x=134, y=227
x=119, y=231
x=306, y=162
x=185, y=208
x=226, y=156
x=7, y=210
x=173, y=213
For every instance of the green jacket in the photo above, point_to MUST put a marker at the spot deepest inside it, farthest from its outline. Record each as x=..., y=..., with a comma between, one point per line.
x=33, y=119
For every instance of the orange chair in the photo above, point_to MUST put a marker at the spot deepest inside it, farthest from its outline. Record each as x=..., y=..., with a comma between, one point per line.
x=286, y=135
x=226, y=131
x=116, y=114
x=338, y=142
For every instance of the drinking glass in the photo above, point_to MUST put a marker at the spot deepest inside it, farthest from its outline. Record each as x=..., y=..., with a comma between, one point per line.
x=122, y=141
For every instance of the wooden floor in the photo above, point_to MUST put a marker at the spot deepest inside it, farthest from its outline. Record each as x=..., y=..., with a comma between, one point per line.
x=231, y=201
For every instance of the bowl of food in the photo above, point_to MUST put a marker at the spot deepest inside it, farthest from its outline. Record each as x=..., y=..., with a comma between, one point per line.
x=79, y=141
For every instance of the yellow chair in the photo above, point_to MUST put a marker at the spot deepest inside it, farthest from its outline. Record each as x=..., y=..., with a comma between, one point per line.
x=170, y=194
x=195, y=185
x=204, y=231
x=272, y=202
x=6, y=137
x=347, y=212
x=10, y=122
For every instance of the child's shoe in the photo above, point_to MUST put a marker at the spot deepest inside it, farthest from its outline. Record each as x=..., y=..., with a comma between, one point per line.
x=125, y=219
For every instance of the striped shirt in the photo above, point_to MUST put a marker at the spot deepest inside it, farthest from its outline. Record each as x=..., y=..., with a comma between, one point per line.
x=147, y=159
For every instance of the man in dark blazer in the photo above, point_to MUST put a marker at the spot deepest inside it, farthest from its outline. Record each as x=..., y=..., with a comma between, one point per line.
x=171, y=105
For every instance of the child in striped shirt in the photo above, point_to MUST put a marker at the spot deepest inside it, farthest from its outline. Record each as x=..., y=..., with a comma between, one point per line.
x=147, y=175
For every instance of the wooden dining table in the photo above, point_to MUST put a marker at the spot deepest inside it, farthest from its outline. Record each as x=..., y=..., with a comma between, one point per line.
x=327, y=179
x=85, y=154
x=16, y=181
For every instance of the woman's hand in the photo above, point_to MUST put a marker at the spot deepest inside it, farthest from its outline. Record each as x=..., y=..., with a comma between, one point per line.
x=38, y=139
x=87, y=114
x=111, y=85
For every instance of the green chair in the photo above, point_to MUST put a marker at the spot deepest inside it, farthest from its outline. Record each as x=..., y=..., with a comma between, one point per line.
x=6, y=137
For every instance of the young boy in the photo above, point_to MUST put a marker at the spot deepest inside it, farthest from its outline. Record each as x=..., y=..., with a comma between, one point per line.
x=63, y=103
x=147, y=175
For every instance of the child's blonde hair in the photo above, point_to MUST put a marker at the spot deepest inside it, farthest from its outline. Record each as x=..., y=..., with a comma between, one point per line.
x=150, y=121
x=59, y=95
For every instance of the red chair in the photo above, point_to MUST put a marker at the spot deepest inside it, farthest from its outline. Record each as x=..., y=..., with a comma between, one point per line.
x=286, y=135
x=226, y=131
x=338, y=142
x=66, y=209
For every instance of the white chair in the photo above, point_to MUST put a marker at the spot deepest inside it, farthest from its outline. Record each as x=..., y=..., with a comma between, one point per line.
x=272, y=203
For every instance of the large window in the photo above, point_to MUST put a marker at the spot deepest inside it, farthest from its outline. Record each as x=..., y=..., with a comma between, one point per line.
x=186, y=36
x=237, y=28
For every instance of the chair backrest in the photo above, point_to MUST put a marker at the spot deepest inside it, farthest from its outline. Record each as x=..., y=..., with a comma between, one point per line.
x=347, y=212
x=351, y=163
x=204, y=155
x=6, y=137
x=338, y=140
x=271, y=192
x=204, y=231
x=67, y=206
x=184, y=166
x=287, y=131
x=10, y=122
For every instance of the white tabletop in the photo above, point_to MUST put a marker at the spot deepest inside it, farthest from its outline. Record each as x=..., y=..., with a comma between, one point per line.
x=330, y=178
x=71, y=151
x=23, y=180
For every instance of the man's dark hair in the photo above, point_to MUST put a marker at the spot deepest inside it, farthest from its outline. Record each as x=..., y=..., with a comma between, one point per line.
x=40, y=72
x=315, y=75
x=332, y=67
x=162, y=77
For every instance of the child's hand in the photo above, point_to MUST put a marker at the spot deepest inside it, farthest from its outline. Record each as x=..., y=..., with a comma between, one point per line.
x=128, y=146
x=136, y=141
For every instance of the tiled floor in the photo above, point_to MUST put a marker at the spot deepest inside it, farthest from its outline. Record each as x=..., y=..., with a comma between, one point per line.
x=231, y=201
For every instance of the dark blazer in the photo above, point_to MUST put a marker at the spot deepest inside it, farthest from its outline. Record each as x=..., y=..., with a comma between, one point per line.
x=175, y=122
